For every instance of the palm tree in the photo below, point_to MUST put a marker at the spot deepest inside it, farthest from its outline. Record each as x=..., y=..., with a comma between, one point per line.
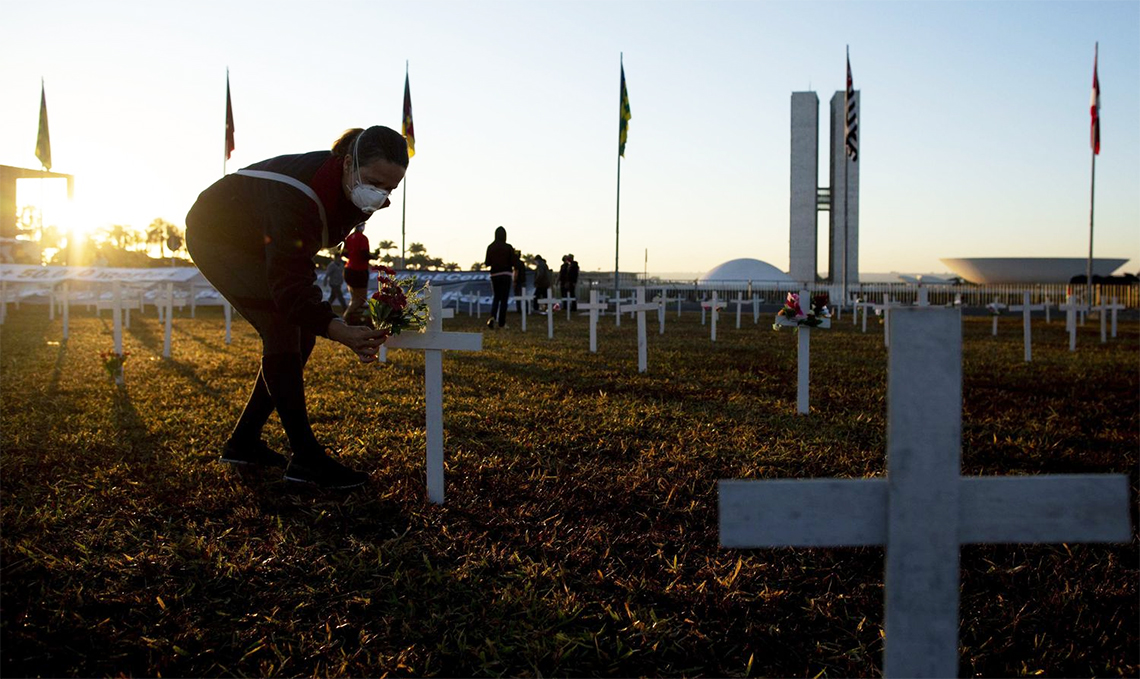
x=158, y=231
x=384, y=246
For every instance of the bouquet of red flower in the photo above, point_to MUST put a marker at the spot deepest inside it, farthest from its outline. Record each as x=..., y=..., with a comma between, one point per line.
x=397, y=305
x=793, y=312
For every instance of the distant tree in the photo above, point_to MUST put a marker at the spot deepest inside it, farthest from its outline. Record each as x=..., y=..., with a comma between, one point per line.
x=120, y=237
x=451, y=266
x=160, y=232
x=477, y=266
x=386, y=258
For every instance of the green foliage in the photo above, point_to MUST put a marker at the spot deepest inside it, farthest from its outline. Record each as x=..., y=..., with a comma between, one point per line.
x=579, y=536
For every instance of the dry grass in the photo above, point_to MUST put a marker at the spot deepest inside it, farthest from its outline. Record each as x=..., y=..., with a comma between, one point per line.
x=579, y=535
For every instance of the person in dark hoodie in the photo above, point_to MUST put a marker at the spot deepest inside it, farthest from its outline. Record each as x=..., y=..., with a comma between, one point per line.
x=501, y=258
x=253, y=235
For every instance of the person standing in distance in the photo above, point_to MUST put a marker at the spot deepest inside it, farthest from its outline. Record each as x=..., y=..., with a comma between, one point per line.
x=334, y=278
x=500, y=257
x=356, y=274
x=568, y=280
x=253, y=235
x=541, y=279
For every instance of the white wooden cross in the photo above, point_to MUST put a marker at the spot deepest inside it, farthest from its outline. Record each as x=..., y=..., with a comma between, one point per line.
x=923, y=296
x=866, y=306
x=566, y=302
x=1114, y=307
x=639, y=308
x=382, y=356
x=1102, y=308
x=803, y=354
x=433, y=342
x=715, y=306
x=525, y=300
x=474, y=304
x=1048, y=305
x=166, y=319
x=67, y=312
x=549, y=303
x=1026, y=309
x=662, y=299
x=740, y=302
x=593, y=306
x=620, y=303
x=924, y=509
x=117, y=325
x=885, y=309
x=998, y=306
x=1071, y=307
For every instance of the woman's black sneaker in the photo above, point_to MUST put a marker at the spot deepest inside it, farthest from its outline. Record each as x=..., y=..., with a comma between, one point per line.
x=256, y=453
x=324, y=472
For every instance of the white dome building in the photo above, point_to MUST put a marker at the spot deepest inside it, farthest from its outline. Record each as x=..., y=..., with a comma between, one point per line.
x=744, y=270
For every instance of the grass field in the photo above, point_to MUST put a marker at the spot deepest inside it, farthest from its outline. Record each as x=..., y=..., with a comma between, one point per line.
x=579, y=536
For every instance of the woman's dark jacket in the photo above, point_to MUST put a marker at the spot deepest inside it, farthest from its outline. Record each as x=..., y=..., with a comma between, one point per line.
x=278, y=227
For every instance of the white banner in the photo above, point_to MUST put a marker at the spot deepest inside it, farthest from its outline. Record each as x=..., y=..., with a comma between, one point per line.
x=48, y=275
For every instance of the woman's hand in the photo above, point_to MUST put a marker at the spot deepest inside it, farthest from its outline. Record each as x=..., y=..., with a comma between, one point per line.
x=364, y=341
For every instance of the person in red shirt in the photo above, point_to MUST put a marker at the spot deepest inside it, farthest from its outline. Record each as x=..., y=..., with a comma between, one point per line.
x=356, y=273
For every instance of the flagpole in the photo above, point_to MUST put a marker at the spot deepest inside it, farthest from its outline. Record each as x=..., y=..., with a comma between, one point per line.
x=226, y=144
x=403, y=218
x=404, y=200
x=1092, y=194
x=846, y=193
x=1092, y=201
x=617, y=221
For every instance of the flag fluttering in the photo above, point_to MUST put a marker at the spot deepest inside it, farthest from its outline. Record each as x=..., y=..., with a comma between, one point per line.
x=624, y=116
x=406, y=127
x=229, y=119
x=1094, y=107
x=43, y=139
x=851, y=127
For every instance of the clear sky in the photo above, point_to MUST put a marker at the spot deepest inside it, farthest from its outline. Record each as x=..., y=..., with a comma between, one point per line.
x=974, y=128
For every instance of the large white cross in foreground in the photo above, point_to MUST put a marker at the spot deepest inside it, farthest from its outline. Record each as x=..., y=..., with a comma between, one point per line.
x=923, y=511
x=434, y=341
x=1026, y=309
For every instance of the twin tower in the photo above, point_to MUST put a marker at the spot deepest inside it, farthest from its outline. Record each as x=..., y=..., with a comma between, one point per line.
x=840, y=199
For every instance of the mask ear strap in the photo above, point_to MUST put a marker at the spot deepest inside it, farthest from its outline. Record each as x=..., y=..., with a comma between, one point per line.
x=356, y=157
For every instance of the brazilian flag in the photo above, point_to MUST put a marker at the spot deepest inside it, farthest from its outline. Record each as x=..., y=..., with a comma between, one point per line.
x=624, y=116
x=43, y=140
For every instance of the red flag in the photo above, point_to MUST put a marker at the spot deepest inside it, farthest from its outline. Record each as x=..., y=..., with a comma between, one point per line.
x=1094, y=107
x=229, y=120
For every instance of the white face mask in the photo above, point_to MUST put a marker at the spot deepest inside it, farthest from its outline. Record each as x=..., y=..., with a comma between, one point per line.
x=366, y=197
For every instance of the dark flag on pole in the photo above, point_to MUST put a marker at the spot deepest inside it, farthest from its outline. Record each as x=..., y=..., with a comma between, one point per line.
x=1094, y=108
x=407, y=129
x=43, y=139
x=851, y=129
x=624, y=116
x=229, y=119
